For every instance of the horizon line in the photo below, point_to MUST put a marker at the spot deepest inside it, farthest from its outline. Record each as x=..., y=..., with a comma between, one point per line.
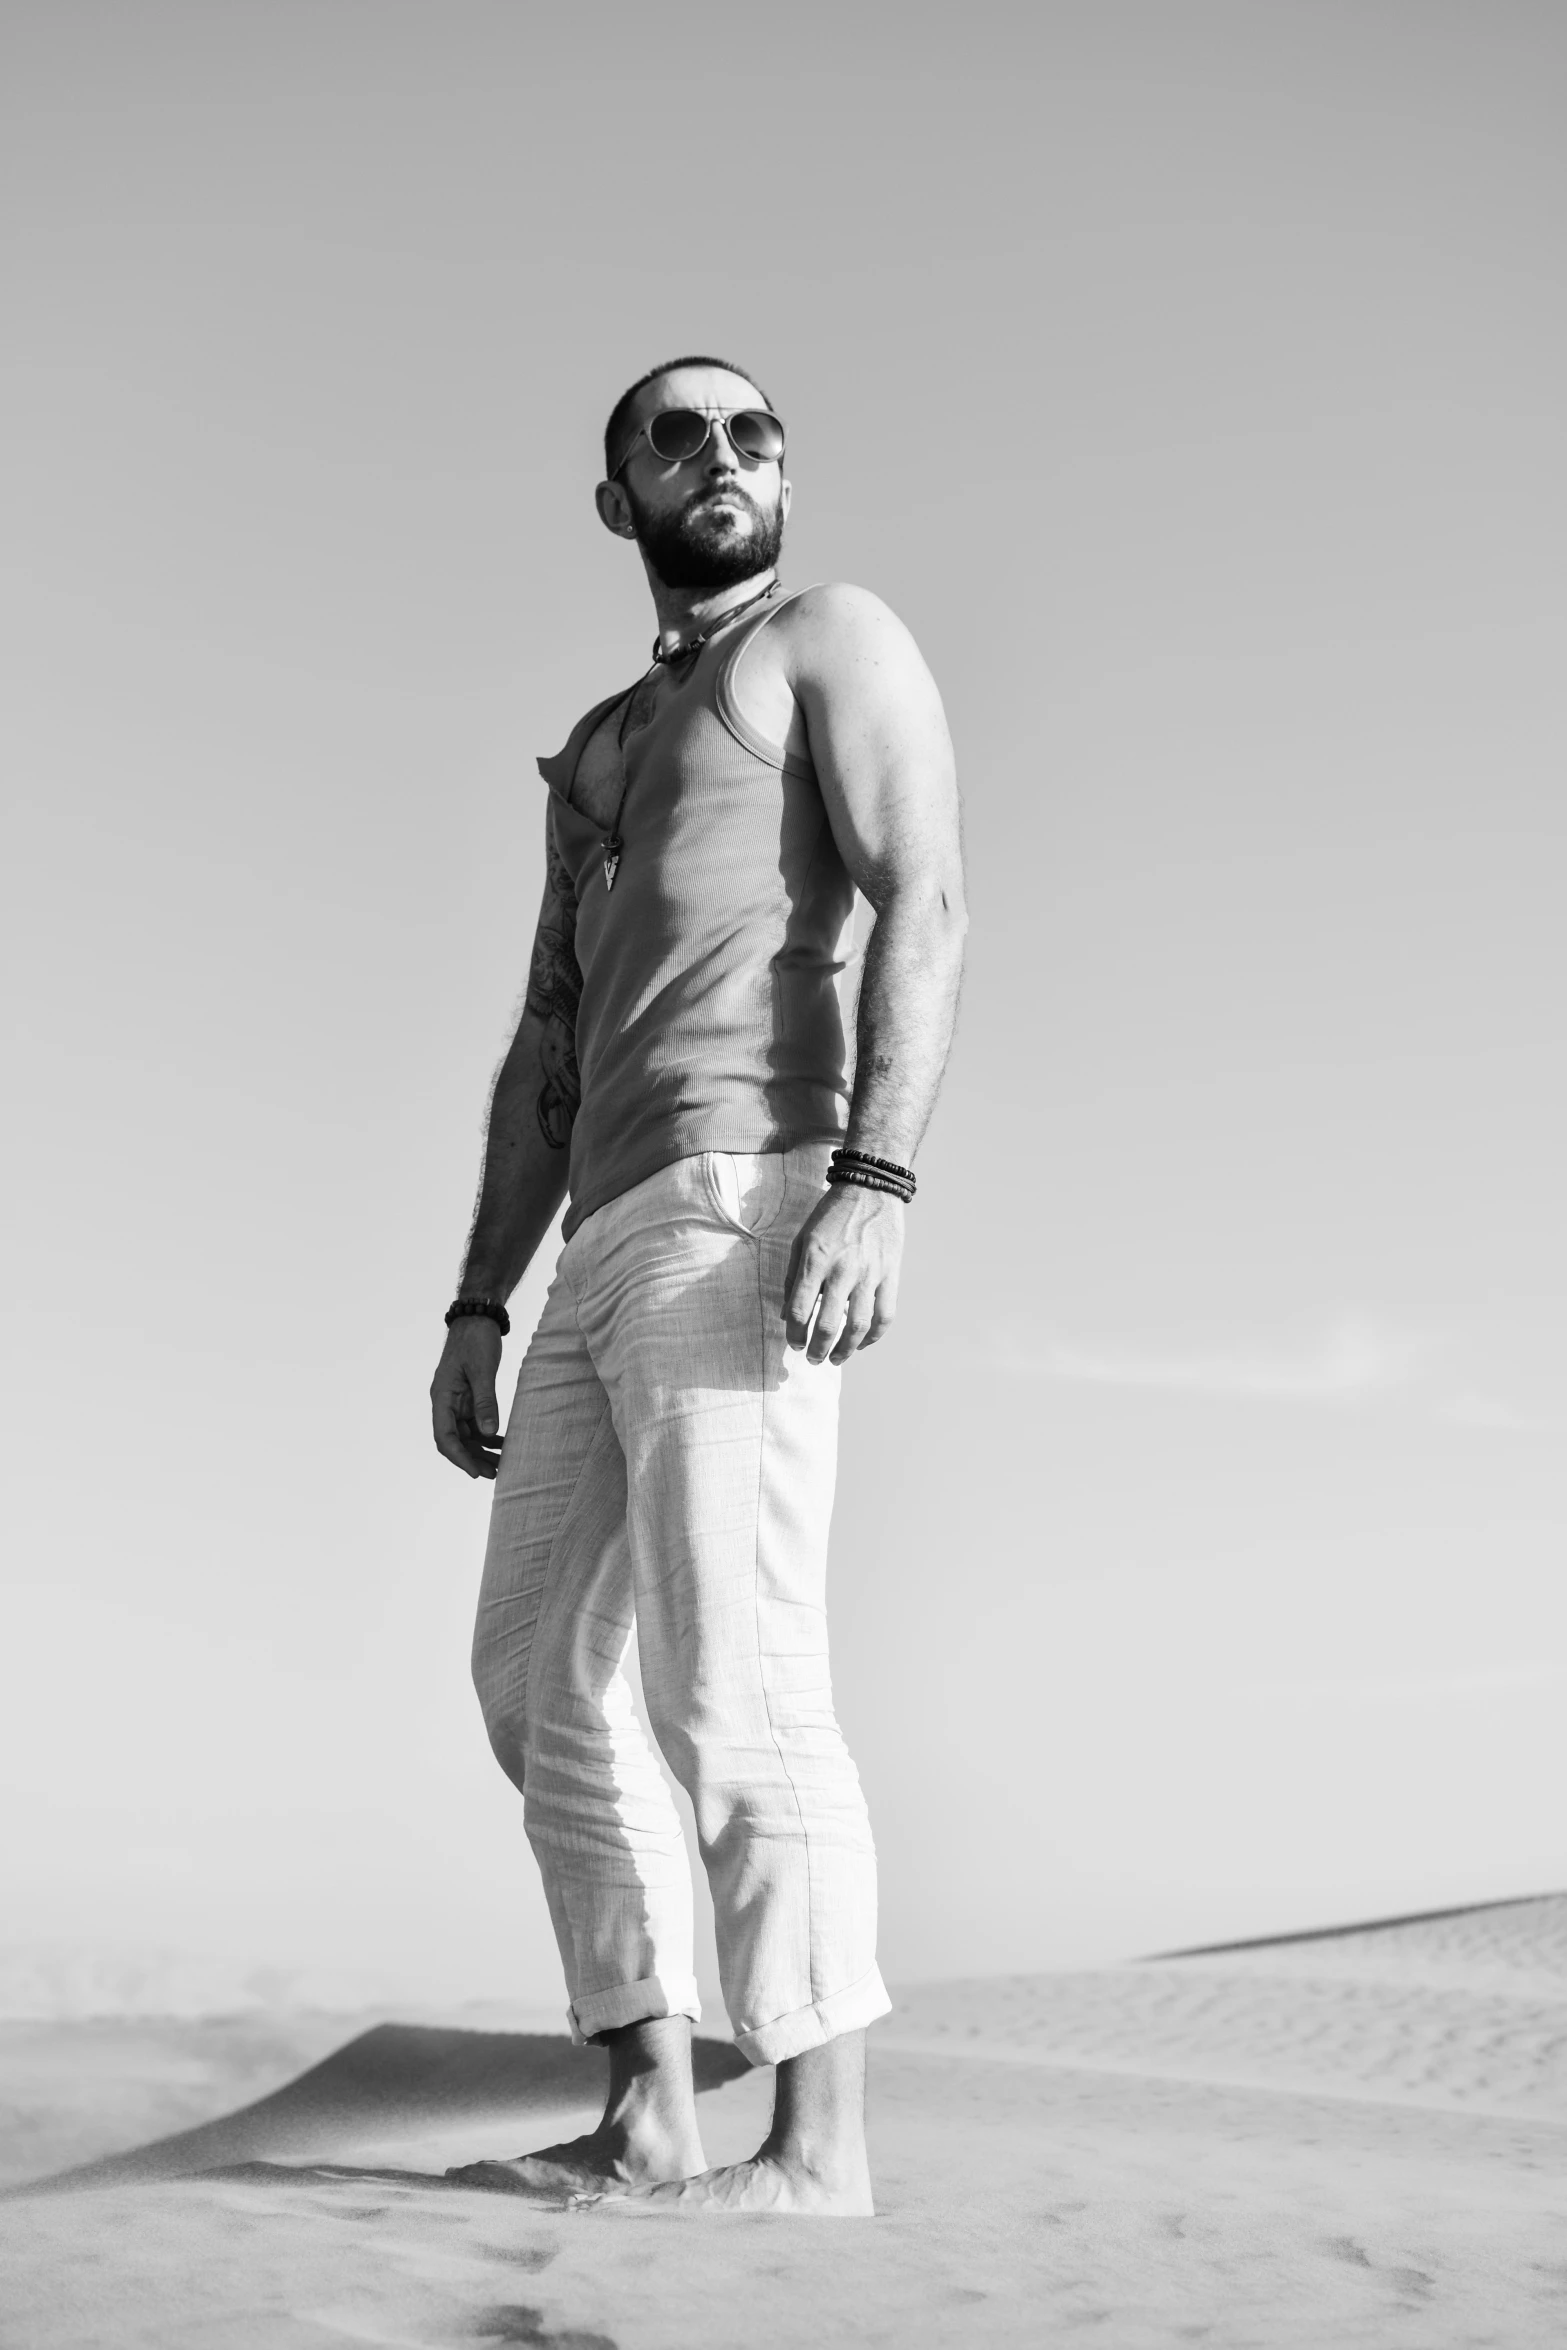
x=1414, y=1917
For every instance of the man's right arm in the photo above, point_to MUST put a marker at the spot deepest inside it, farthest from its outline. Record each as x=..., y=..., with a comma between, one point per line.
x=532, y=1109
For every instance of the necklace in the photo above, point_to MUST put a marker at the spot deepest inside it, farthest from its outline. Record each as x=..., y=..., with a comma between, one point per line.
x=693, y=645
x=612, y=845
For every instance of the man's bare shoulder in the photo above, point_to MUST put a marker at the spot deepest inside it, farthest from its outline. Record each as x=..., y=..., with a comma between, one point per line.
x=839, y=611
x=840, y=637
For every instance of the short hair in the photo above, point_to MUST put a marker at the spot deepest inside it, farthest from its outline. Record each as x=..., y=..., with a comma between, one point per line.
x=621, y=411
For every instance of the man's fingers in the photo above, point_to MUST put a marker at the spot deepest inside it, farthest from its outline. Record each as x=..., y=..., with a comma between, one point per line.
x=803, y=1291
x=883, y=1313
x=857, y=1323
x=451, y=1447
x=486, y=1418
x=830, y=1318
x=486, y=1442
x=482, y=1461
x=449, y=1444
x=458, y=1436
x=848, y=1313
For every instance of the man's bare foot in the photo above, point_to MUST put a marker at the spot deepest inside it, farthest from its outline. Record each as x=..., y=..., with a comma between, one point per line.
x=765, y=2183
x=648, y=2133
x=600, y=2164
x=811, y=2165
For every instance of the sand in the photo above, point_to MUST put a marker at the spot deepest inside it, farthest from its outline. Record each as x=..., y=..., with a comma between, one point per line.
x=1356, y=2139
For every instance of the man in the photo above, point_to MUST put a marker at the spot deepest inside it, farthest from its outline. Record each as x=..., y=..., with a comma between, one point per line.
x=669, y=1461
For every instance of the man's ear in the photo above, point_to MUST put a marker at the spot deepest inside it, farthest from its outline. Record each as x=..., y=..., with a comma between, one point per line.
x=785, y=498
x=614, y=509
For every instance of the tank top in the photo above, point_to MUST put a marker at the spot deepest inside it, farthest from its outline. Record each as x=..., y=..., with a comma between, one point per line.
x=710, y=1017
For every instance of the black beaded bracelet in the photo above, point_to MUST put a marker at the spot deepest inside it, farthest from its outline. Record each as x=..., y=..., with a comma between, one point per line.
x=869, y=1182
x=846, y=1158
x=490, y=1309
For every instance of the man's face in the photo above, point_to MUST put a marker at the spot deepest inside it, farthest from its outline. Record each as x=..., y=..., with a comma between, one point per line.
x=718, y=518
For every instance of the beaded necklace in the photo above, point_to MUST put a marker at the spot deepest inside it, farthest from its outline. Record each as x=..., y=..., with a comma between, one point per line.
x=612, y=845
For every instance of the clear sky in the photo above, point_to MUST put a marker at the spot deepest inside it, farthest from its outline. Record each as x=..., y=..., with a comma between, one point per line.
x=1193, y=380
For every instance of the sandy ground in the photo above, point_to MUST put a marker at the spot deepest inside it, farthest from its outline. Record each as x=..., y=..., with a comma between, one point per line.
x=1357, y=2139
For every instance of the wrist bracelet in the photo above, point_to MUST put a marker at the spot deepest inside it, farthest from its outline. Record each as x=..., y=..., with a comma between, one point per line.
x=844, y=1157
x=490, y=1309
x=867, y=1181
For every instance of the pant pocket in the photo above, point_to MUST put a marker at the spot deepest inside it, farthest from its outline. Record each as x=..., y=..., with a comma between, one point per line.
x=747, y=1188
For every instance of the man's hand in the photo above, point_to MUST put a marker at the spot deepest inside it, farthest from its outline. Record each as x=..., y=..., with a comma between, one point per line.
x=847, y=1254
x=462, y=1396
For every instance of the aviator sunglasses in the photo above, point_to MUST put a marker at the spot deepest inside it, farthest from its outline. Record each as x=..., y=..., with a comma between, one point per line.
x=676, y=435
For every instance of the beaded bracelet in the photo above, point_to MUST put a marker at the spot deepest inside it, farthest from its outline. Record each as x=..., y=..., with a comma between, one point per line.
x=464, y=1308
x=844, y=1156
x=869, y=1182
x=874, y=1174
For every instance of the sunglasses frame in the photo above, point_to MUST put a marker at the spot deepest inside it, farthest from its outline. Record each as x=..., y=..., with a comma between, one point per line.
x=713, y=416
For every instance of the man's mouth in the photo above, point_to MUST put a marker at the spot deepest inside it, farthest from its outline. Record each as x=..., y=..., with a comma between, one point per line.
x=724, y=506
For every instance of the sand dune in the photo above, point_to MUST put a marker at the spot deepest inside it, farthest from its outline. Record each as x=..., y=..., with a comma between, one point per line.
x=393, y=2084
x=1466, y=2010
x=1336, y=2141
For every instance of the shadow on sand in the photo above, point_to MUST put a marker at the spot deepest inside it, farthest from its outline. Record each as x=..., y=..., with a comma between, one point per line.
x=395, y=2081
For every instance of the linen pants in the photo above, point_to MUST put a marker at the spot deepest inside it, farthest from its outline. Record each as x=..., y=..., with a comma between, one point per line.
x=668, y=1467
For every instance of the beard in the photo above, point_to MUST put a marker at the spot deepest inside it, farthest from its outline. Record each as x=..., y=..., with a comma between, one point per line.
x=701, y=548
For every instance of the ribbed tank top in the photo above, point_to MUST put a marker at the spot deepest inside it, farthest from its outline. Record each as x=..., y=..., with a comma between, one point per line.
x=710, y=1017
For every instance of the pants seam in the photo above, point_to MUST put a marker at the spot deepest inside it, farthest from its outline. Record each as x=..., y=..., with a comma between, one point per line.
x=756, y=1609
x=547, y=1595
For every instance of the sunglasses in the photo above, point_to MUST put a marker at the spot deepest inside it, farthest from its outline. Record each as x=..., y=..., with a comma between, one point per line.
x=676, y=435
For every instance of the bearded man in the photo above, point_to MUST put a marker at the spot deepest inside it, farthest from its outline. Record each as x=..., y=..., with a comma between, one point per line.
x=733, y=1237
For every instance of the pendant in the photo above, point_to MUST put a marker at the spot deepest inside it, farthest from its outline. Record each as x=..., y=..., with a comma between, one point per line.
x=612, y=849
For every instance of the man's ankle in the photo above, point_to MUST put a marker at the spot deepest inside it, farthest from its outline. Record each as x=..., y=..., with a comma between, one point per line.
x=829, y=2163
x=651, y=2105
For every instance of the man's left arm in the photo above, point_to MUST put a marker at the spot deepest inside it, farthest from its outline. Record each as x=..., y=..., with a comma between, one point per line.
x=883, y=758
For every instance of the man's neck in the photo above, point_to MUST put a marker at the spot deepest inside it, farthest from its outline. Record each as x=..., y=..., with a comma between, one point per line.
x=687, y=612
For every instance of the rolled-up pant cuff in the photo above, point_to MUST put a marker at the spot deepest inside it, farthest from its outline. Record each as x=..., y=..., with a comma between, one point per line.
x=632, y=2003
x=814, y=2026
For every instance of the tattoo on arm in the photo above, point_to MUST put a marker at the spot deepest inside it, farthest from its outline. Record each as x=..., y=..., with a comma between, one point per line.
x=554, y=992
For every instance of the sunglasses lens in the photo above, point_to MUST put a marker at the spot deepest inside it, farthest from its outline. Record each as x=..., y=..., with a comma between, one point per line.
x=757, y=434
x=676, y=434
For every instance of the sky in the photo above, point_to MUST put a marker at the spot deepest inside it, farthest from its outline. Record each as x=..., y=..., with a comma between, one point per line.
x=1192, y=379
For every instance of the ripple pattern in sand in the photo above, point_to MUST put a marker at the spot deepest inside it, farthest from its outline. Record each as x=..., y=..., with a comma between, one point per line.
x=1468, y=2012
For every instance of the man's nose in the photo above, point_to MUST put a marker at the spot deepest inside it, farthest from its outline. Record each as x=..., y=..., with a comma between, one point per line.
x=720, y=454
